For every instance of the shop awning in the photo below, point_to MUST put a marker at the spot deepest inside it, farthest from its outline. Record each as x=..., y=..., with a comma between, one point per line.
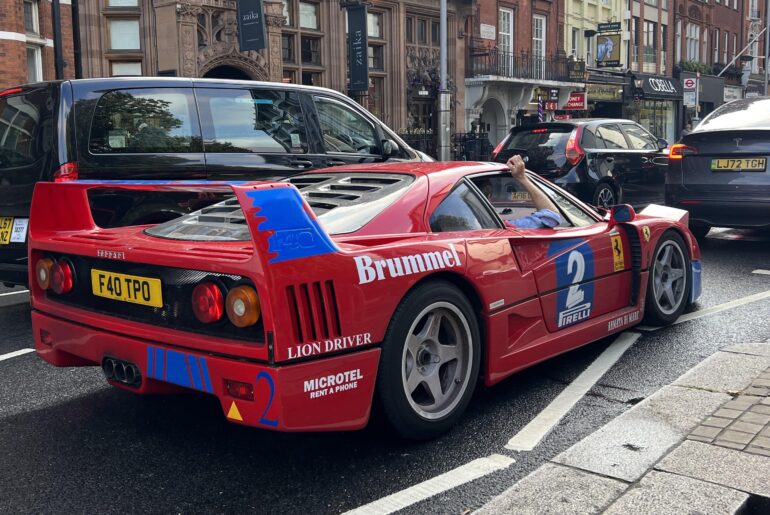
x=658, y=86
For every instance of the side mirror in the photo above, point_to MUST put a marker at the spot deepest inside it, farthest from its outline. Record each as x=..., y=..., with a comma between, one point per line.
x=662, y=144
x=388, y=148
x=621, y=213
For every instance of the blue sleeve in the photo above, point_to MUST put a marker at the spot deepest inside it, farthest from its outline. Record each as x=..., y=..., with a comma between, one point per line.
x=543, y=219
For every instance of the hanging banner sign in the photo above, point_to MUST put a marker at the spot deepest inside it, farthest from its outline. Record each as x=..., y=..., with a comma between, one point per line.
x=251, y=25
x=358, y=49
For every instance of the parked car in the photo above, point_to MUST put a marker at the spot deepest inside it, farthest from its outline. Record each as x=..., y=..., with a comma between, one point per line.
x=601, y=161
x=297, y=302
x=169, y=128
x=719, y=170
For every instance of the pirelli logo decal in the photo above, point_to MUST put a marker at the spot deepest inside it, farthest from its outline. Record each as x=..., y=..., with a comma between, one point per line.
x=370, y=270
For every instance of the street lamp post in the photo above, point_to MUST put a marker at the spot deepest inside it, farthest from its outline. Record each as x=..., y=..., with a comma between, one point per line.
x=444, y=96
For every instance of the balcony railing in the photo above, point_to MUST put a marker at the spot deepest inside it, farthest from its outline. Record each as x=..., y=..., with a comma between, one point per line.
x=517, y=66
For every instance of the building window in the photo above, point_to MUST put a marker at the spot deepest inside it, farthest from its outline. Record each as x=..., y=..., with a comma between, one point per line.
x=735, y=45
x=31, y=18
x=505, y=30
x=724, y=47
x=575, y=43
x=287, y=48
x=287, y=13
x=693, y=42
x=308, y=15
x=311, y=78
x=705, y=52
x=409, y=30
x=422, y=32
x=376, y=61
x=132, y=68
x=34, y=64
x=376, y=95
x=123, y=3
x=651, y=2
x=311, y=50
x=374, y=25
x=124, y=34
x=538, y=44
x=678, y=42
x=435, y=33
x=716, y=45
x=650, y=41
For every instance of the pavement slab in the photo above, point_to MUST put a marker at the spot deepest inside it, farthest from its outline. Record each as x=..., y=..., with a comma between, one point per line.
x=721, y=466
x=554, y=489
x=631, y=444
x=757, y=349
x=725, y=372
x=660, y=492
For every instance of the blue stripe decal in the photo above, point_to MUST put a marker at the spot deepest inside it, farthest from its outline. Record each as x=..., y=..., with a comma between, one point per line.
x=296, y=233
x=697, y=285
x=205, y=371
x=160, y=356
x=559, y=246
x=176, y=369
x=195, y=372
x=159, y=183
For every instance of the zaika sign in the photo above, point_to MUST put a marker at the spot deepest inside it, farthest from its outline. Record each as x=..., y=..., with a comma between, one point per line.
x=251, y=25
x=358, y=49
x=576, y=101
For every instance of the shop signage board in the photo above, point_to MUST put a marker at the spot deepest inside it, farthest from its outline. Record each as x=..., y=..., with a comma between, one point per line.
x=576, y=101
x=609, y=27
x=251, y=25
x=607, y=50
x=605, y=92
x=659, y=87
x=732, y=93
x=544, y=94
x=576, y=69
x=488, y=31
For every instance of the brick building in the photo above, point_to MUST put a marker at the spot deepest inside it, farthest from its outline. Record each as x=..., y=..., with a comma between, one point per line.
x=26, y=41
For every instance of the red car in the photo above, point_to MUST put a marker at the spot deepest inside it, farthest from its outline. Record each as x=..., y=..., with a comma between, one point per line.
x=300, y=303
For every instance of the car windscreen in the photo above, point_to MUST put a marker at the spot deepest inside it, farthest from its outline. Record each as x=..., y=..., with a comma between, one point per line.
x=26, y=127
x=343, y=202
x=542, y=145
x=739, y=114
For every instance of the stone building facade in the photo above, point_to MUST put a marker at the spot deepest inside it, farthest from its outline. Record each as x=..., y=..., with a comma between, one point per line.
x=26, y=41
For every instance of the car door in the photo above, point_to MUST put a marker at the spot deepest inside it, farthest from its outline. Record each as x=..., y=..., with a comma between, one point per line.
x=623, y=177
x=253, y=133
x=648, y=161
x=345, y=135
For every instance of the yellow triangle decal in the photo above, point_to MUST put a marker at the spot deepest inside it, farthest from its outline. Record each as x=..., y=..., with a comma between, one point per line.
x=234, y=413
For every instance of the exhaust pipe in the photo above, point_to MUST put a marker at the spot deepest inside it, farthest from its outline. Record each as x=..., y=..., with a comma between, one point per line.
x=121, y=372
x=108, y=367
x=130, y=374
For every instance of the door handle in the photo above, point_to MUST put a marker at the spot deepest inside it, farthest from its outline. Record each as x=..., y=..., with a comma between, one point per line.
x=334, y=162
x=645, y=160
x=609, y=159
x=301, y=163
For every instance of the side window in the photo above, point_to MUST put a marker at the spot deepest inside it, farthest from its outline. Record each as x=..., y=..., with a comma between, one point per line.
x=640, y=138
x=344, y=130
x=576, y=215
x=611, y=136
x=252, y=120
x=462, y=210
x=153, y=120
x=590, y=140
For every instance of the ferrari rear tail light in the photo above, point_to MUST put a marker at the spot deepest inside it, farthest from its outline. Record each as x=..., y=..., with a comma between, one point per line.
x=43, y=269
x=66, y=172
x=62, y=277
x=208, y=302
x=239, y=389
x=679, y=150
x=498, y=148
x=242, y=306
x=574, y=151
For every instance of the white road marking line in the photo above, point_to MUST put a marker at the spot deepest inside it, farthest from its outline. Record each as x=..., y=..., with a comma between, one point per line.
x=15, y=353
x=434, y=486
x=546, y=420
x=761, y=272
x=716, y=309
x=13, y=293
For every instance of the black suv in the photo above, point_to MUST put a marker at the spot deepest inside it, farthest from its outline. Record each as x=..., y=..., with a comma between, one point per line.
x=169, y=129
x=600, y=161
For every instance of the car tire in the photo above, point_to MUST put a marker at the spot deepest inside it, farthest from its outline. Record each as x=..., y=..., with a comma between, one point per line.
x=669, y=282
x=605, y=196
x=430, y=361
x=700, y=230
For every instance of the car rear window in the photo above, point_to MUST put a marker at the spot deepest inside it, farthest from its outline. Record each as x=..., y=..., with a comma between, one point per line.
x=145, y=121
x=739, y=114
x=26, y=127
x=552, y=139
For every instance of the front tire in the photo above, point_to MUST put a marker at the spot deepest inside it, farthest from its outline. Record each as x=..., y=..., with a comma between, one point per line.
x=668, y=285
x=430, y=361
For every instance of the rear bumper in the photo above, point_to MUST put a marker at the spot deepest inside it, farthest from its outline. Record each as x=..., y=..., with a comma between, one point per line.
x=720, y=210
x=322, y=395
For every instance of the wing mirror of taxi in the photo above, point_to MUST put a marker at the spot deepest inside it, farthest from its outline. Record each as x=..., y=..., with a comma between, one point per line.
x=621, y=213
x=662, y=144
x=388, y=148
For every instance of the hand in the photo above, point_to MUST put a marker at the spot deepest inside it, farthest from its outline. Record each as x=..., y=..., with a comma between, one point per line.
x=516, y=166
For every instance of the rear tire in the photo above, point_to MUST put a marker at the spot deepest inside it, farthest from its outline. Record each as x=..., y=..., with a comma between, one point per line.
x=669, y=282
x=430, y=361
x=700, y=230
x=605, y=196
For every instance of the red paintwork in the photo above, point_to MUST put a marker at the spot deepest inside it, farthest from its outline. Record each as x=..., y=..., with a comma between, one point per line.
x=508, y=273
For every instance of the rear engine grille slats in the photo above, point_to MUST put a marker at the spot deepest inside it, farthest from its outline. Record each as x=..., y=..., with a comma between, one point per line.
x=314, y=311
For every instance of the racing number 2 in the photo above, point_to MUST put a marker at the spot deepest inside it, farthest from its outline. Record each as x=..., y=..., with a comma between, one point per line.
x=263, y=418
x=575, y=294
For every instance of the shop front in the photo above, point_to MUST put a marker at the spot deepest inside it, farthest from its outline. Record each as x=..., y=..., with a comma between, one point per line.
x=655, y=104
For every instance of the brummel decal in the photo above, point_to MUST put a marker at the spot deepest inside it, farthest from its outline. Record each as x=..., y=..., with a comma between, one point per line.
x=370, y=270
x=574, y=280
x=296, y=233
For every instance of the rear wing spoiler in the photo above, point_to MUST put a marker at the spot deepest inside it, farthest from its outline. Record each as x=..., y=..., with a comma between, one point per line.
x=281, y=224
